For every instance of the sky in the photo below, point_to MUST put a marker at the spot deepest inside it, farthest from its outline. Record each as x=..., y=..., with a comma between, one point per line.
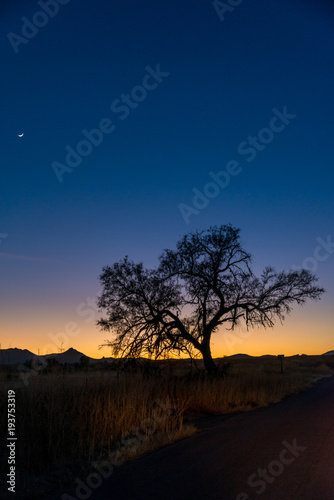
x=144, y=121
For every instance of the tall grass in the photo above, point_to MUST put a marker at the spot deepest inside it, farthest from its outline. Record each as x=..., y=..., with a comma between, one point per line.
x=66, y=421
x=61, y=419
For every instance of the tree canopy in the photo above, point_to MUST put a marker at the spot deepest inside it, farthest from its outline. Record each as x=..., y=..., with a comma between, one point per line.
x=204, y=285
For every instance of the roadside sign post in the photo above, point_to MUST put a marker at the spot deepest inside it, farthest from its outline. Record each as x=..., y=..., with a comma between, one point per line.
x=281, y=356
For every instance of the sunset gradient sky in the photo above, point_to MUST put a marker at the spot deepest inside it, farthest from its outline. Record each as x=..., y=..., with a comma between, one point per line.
x=203, y=85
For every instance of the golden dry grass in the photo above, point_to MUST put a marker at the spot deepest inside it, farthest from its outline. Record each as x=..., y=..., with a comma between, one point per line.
x=68, y=420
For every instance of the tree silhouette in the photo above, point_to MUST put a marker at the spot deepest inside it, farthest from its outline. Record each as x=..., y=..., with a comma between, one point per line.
x=203, y=285
x=84, y=361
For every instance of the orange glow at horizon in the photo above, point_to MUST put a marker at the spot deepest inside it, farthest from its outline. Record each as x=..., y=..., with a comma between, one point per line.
x=308, y=332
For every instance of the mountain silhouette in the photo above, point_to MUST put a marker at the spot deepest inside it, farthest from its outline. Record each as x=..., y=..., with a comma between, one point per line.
x=15, y=356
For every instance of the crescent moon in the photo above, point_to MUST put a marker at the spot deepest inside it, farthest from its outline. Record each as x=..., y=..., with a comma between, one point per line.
x=21, y=135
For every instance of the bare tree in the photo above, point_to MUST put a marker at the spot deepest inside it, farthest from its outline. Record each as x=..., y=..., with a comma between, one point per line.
x=204, y=285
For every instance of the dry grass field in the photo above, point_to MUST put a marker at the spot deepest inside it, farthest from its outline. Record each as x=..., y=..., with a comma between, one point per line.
x=67, y=420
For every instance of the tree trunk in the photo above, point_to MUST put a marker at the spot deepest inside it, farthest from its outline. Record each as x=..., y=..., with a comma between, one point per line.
x=209, y=364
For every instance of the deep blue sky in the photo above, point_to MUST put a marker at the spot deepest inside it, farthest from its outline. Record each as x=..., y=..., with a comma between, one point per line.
x=225, y=78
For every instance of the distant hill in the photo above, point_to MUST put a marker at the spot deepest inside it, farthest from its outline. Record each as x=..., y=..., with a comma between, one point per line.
x=240, y=356
x=15, y=356
x=69, y=356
